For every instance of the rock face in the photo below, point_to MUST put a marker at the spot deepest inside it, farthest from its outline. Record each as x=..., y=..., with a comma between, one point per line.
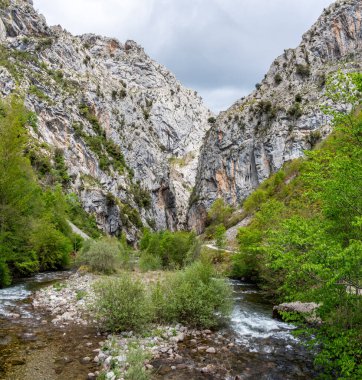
x=281, y=118
x=130, y=133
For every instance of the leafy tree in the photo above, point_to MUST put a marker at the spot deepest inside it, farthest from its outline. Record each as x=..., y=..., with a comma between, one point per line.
x=220, y=236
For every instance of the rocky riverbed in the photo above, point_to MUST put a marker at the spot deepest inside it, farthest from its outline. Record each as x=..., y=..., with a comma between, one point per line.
x=48, y=333
x=67, y=303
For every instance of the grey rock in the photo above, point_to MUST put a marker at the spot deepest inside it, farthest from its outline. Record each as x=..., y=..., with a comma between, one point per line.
x=282, y=118
x=157, y=123
x=306, y=309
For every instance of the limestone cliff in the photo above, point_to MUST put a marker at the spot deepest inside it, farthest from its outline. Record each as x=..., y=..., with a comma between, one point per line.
x=129, y=131
x=282, y=117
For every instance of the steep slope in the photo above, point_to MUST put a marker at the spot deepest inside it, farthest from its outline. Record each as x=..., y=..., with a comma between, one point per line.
x=282, y=117
x=129, y=132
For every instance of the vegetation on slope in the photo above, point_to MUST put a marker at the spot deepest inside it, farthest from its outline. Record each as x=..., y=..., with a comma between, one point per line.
x=34, y=232
x=305, y=240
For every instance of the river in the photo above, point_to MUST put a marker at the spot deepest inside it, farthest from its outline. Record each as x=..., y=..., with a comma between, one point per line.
x=32, y=348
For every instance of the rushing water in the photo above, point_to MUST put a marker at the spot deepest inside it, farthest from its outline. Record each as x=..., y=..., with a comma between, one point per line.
x=273, y=352
x=31, y=347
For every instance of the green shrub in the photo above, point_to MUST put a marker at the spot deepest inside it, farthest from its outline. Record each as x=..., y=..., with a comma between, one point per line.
x=5, y=278
x=219, y=213
x=136, y=371
x=122, y=304
x=51, y=246
x=220, y=236
x=278, y=78
x=102, y=256
x=174, y=248
x=149, y=262
x=303, y=70
x=193, y=296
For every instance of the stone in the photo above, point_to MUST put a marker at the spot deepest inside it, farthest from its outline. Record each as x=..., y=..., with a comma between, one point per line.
x=211, y=350
x=305, y=309
x=91, y=376
x=86, y=360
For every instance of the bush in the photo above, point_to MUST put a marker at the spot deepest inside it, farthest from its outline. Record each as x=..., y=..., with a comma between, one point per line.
x=102, y=256
x=150, y=262
x=173, y=248
x=136, y=370
x=193, y=296
x=5, y=278
x=220, y=236
x=278, y=78
x=51, y=246
x=303, y=70
x=219, y=213
x=122, y=304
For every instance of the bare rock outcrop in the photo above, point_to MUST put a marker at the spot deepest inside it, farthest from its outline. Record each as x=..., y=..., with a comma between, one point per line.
x=130, y=132
x=282, y=117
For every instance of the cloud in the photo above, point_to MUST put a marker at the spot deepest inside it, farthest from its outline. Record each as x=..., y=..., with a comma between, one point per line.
x=220, y=48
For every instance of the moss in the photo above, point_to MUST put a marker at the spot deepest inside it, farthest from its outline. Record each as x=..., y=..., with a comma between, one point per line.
x=36, y=91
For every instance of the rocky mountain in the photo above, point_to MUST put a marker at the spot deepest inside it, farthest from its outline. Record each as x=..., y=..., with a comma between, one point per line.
x=129, y=132
x=282, y=117
x=138, y=146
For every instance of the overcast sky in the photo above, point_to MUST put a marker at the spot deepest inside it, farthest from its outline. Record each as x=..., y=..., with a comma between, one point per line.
x=220, y=48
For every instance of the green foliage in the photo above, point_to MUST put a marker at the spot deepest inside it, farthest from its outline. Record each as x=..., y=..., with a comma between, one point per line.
x=34, y=233
x=149, y=262
x=303, y=70
x=211, y=120
x=220, y=236
x=278, y=78
x=5, y=277
x=194, y=296
x=173, y=249
x=130, y=216
x=108, y=152
x=4, y=3
x=102, y=256
x=86, y=222
x=295, y=110
x=141, y=196
x=219, y=212
x=61, y=171
x=33, y=90
x=304, y=242
x=136, y=371
x=122, y=304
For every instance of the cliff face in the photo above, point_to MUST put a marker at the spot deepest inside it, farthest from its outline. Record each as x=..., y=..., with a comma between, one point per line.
x=282, y=117
x=130, y=133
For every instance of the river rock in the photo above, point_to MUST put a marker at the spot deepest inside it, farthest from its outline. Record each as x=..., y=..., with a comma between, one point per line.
x=86, y=360
x=305, y=309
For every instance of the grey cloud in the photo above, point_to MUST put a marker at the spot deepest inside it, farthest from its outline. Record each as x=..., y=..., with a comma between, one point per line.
x=218, y=47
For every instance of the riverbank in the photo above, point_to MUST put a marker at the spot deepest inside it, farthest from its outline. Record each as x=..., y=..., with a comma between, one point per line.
x=252, y=345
